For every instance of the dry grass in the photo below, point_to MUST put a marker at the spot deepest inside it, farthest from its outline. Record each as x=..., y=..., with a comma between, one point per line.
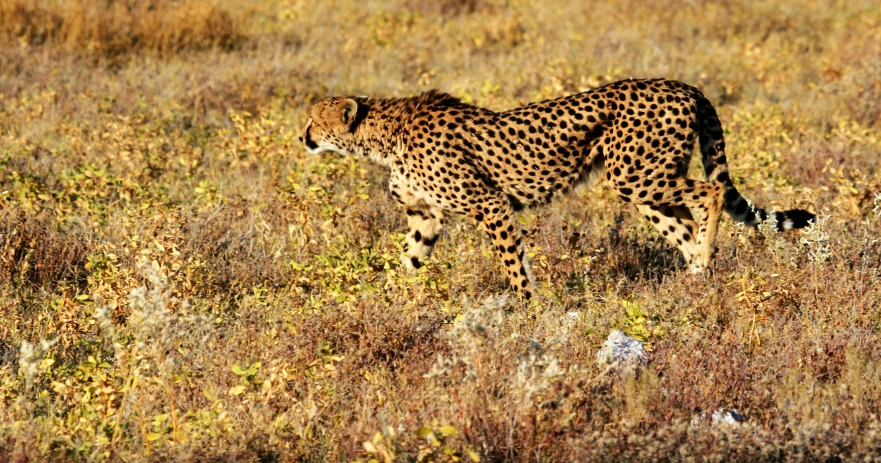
x=180, y=281
x=110, y=28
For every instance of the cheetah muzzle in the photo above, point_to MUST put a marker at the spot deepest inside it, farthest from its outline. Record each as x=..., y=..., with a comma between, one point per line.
x=448, y=156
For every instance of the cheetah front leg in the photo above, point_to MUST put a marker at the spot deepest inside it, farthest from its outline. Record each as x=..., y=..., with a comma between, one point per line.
x=425, y=225
x=504, y=231
x=425, y=222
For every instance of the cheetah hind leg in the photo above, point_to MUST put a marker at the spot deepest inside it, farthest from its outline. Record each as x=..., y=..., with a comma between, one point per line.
x=705, y=206
x=425, y=227
x=676, y=224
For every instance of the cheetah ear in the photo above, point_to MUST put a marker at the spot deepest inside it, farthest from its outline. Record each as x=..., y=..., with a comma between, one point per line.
x=350, y=112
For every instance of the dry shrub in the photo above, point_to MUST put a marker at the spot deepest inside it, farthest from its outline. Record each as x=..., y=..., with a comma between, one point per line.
x=239, y=257
x=374, y=337
x=726, y=372
x=447, y=8
x=118, y=27
x=261, y=253
x=35, y=252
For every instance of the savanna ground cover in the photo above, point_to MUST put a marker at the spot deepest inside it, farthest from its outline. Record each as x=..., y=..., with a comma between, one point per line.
x=180, y=281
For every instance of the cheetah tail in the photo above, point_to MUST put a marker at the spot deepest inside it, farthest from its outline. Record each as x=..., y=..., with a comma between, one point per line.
x=715, y=163
x=740, y=209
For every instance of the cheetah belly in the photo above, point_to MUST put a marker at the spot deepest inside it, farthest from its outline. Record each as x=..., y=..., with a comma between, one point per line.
x=544, y=178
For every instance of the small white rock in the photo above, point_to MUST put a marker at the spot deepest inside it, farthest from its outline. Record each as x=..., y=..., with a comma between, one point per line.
x=726, y=416
x=622, y=352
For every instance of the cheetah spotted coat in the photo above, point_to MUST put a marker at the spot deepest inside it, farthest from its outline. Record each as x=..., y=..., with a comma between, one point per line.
x=447, y=156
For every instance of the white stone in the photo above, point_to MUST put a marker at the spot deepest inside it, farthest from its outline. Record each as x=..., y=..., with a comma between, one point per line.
x=726, y=416
x=622, y=352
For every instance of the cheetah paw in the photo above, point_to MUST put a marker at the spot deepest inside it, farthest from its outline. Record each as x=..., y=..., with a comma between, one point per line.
x=410, y=264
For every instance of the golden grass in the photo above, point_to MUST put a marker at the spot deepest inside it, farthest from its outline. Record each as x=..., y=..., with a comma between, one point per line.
x=114, y=27
x=180, y=281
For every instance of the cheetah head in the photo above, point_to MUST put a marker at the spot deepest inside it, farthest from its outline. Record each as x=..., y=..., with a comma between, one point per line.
x=331, y=126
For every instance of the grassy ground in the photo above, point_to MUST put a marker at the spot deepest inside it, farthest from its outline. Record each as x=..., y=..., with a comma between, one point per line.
x=180, y=281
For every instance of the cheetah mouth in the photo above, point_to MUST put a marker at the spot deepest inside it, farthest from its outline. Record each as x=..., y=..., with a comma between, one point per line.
x=315, y=148
x=310, y=145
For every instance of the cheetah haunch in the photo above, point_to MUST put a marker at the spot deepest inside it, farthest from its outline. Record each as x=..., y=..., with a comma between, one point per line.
x=449, y=156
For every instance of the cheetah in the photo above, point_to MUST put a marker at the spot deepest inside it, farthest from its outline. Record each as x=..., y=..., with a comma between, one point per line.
x=447, y=156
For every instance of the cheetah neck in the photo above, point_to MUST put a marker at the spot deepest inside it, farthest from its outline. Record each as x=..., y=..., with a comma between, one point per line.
x=382, y=134
x=379, y=135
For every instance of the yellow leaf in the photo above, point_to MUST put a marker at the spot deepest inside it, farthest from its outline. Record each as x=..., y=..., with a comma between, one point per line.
x=153, y=436
x=237, y=390
x=369, y=447
x=448, y=430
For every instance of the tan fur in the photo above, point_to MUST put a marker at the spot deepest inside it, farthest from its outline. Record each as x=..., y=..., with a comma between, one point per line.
x=448, y=156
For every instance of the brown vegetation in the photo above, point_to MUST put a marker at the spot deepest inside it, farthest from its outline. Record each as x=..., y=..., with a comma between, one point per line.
x=180, y=281
x=111, y=27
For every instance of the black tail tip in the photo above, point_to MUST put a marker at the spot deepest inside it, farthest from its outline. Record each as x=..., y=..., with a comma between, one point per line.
x=800, y=218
